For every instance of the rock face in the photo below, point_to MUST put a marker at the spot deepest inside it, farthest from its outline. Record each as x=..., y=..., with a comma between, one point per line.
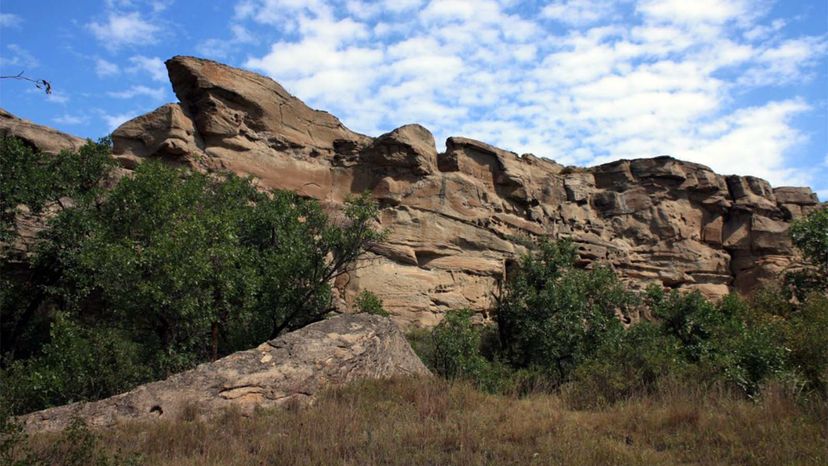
x=456, y=219
x=293, y=367
x=40, y=137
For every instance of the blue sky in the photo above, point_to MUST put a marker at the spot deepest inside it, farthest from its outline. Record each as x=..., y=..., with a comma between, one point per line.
x=741, y=86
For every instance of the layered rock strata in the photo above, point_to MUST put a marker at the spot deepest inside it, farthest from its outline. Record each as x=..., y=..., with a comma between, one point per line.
x=458, y=218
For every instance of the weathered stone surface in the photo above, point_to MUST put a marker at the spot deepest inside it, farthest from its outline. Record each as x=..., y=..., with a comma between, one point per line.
x=457, y=218
x=293, y=367
x=410, y=148
x=40, y=137
x=165, y=132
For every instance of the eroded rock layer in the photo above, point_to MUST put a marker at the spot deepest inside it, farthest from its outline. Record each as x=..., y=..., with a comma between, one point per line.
x=458, y=218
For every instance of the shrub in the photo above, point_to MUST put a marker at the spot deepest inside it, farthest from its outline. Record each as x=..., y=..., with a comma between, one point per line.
x=456, y=354
x=632, y=365
x=728, y=341
x=79, y=363
x=33, y=178
x=807, y=338
x=810, y=236
x=183, y=267
x=552, y=316
x=369, y=303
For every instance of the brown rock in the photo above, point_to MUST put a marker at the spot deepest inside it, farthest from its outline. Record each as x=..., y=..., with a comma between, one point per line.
x=40, y=137
x=458, y=217
x=293, y=367
x=410, y=147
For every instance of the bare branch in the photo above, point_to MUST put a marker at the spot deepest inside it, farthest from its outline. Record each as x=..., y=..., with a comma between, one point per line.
x=39, y=83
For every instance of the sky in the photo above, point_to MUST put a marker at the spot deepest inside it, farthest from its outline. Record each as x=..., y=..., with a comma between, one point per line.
x=738, y=85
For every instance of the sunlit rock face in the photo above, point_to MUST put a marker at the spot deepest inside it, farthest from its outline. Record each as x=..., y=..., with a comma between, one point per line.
x=456, y=219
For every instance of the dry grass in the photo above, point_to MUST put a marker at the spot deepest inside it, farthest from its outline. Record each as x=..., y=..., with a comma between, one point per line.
x=429, y=421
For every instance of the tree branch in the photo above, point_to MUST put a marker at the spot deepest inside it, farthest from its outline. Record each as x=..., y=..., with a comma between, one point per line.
x=39, y=83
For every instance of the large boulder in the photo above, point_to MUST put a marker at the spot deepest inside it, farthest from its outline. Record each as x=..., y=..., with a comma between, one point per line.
x=293, y=367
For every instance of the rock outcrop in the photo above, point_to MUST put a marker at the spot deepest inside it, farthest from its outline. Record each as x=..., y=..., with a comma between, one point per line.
x=293, y=367
x=37, y=136
x=457, y=219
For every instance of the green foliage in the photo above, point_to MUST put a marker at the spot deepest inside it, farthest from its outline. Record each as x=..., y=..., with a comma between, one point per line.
x=630, y=366
x=77, y=445
x=14, y=448
x=455, y=351
x=167, y=270
x=457, y=346
x=79, y=363
x=728, y=340
x=807, y=337
x=558, y=325
x=33, y=178
x=369, y=303
x=553, y=316
x=810, y=235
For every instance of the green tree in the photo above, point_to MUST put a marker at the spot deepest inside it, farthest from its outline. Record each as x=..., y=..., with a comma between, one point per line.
x=169, y=269
x=553, y=316
x=810, y=236
x=33, y=179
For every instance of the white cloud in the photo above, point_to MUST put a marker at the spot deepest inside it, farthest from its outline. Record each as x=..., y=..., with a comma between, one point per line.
x=116, y=120
x=8, y=20
x=697, y=11
x=124, y=29
x=661, y=78
x=153, y=66
x=753, y=141
x=67, y=119
x=222, y=48
x=57, y=97
x=104, y=68
x=762, y=31
x=17, y=56
x=156, y=93
x=578, y=12
x=788, y=62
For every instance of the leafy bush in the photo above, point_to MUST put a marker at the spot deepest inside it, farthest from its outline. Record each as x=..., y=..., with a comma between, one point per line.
x=807, y=337
x=33, y=178
x=170, y=269
x=369, y=303
x=810, y=235
x=632, y=365
x=456, y=354
x=457, y=347
x=552, y=316
x=79, y=363
x=77, y=445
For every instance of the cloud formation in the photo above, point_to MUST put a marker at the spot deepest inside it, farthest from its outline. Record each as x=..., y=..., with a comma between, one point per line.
x=577, y=81
x=124, y=29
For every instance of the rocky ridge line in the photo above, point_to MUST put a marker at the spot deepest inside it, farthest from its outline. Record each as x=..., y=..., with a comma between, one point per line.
x=457, y=218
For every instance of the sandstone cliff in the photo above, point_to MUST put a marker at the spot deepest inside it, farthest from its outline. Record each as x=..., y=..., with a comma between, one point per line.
x=457, y=219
